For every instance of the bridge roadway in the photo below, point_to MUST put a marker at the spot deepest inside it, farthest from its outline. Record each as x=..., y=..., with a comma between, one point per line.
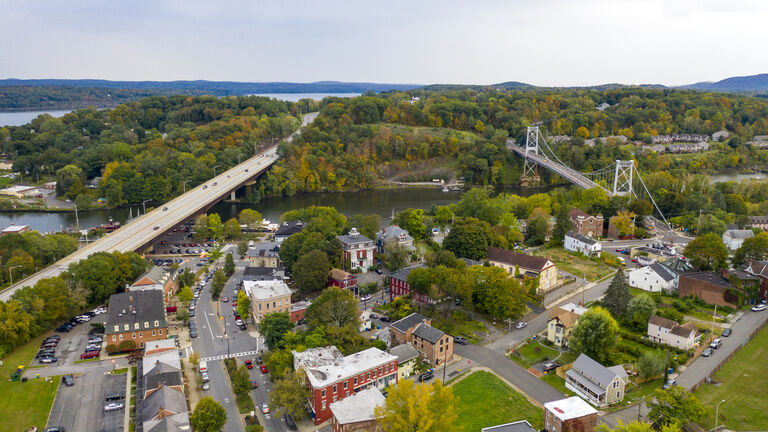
x=143, y=230
x=563, y=171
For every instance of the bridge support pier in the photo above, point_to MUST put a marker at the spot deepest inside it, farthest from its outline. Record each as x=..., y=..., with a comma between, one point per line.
x=232, y=196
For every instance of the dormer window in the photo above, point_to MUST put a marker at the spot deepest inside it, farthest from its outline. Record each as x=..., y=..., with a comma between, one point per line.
x=126, y=327
x=146, y=324
x=117, y=328
x=157, y=323
x=136, y=326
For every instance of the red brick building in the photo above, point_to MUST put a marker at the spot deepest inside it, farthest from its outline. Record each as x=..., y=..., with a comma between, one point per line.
x=710, y=287
x=138, y=316
x=332, y=377
x=344, y=280
x=569, y=415
x=398, y=285
x=298, y=310
x=586, y=224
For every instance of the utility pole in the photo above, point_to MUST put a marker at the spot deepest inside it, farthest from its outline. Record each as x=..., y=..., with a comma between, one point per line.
x=699, y=225
x=717, y=411
x=445, y=362
x=713, y=320
x=144, y=205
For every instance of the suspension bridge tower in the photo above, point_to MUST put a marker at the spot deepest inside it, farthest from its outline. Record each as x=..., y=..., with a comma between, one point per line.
x=530, y=175
x=622, y=178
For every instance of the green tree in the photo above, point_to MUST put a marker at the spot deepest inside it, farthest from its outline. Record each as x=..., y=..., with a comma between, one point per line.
x=650, y=365
x=617, y=295
x=16, y=326
x=755, y=248
x=202, y=230
x=562, y=226
x=279, y=362
x=707, y=252
x=273, y=327
x=424, y=408
x=243, y=305
x=289, y=394
x=441, y=257
x=208, y=416
x=242, y=248
x=368, y=225
x=637, y=426
x=639, y=310
x=186, y=294
x=334, y=307
x=495, y=293
x=241, y=380
x=219, y=280
x=182, y=314
x=232, y=229
x=215, y=226
x=537, y=228
x=674, y=405
x=595, y=334
x=251, y=218
x=469, y=238
x=443, y=215
x=310, y=273
x=229, y=264
x=395, y=256
x=69, y=181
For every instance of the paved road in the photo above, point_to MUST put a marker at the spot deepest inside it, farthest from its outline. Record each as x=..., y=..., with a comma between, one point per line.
x=142, y=230
x=703, y=367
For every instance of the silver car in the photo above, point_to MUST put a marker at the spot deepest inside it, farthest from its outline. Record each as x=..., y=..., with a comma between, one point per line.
x=114, y=406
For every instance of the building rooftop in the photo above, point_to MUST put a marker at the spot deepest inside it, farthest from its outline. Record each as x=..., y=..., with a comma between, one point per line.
x=175, y=423
x=162, y=375
x=265, y=289
x=353, y=237
x=663, y=271
x=359, y=407
x=288, y=228
x=581, y=237
x=402, y=274
x=18, y=189
x=338, y=274
x=156, y=274
x=325, y=366
x=15, y=229
x=404, y=352
x=518, y=426
x=259, y=273
x=409, y=322
x=594, y=371
x=167, y=399
x=570, y=408
x=709, y=277
x=517, y=259
x=739, y=233
x=269, y=249
x=160, y=351
x=135, y=307
x=394, y=233
x=429, y=333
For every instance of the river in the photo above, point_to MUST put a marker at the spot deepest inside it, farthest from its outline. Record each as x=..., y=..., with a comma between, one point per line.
x=380, y=201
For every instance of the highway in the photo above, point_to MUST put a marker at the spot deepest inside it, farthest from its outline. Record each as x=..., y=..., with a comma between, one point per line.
x=144, y=229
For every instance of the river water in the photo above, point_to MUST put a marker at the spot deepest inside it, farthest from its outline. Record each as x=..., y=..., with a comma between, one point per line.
x=379, y=201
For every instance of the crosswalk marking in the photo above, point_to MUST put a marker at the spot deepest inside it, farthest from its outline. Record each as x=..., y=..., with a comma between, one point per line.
x=223, y=356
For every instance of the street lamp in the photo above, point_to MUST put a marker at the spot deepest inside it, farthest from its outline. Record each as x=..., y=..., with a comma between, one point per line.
x=214, y=170
x=226, y=337
x=717, y=410
x=144, y=205
x=184, y=184
x=10, y=272
x=238, y=158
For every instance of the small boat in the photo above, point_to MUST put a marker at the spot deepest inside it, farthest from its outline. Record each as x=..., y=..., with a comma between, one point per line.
x=445, y=189
x=109, y=226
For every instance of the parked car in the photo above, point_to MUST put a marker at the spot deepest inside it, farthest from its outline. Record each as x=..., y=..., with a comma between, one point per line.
x=89, y=355
x=549, y=367
x=113, y=397
x=248, y=364
x=45, y=353
x=460, y=340
x=727, y=332
x=265, y=408
x=707, y=352
x=193, y=332
x=52, y=338
x=204, y=375
x=259, y=360
x=670, y=383
x=48, y=360
x=521, y=325
x=114, y=406
x=206, y=386
x=715, y=343
x=68, y=380
x=384, y=318
x=254, y=384
x=426, y=376
x=758, y=308
x=263, y=369
x=95, y=340
x=224, y=299
x=365, y=298
x=55, y=429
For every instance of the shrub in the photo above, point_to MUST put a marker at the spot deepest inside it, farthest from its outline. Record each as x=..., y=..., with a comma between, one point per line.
x=126, y=345
x=111, y=349
x=670, y=313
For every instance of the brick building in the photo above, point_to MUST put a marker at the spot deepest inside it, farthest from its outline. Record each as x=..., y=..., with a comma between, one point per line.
x=138, y=316
x=267, y=297
x=569, y=415
x=586, y=224
x=332, y=377
x=710, y=287
x=398, y=285
x=357, y=413
x=400, y=330
x=358, y=250
x=157, y=278
x=433, y=344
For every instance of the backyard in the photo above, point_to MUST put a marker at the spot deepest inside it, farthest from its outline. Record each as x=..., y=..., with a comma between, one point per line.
x=25, y=404
x=742, y=385
x=485, y=400
x=576, y=265
x=533, y=352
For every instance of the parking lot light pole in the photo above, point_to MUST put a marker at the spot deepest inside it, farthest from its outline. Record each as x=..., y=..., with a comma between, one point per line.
x=184, y=185
x=214, y=170
x=717, y=411
x=144, y=205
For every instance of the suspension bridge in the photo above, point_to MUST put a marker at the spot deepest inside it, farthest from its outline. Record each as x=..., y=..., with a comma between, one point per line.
x=620, y=178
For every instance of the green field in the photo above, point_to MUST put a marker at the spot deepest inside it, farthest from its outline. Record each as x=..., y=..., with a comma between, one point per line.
x=743, y=387
x=27, y=404
x=485, y=400
x=532, y=352
x=576, y=265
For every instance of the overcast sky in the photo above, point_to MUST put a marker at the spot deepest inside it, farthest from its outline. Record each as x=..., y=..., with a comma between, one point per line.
x=542, y=42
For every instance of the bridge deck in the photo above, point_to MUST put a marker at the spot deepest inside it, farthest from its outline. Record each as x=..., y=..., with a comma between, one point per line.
x=563, y=171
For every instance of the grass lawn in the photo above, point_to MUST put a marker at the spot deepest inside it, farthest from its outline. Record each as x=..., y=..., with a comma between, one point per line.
x=245, y=404
x=485, y=400
x=558, y=383
x=743, y=387
x=459, y=327
x=532, y=352
x=576, y=265
x=24, y=404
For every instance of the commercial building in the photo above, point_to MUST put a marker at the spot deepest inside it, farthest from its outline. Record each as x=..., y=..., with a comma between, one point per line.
x=263, y=255
x=526, y=265
x=267, y=297
x=596, y=383
x=569, y=415
x=157, y=278
x=136, y=316
x=576, y=242
x=20, y=191
x=357, y=413
x=708, y=286
x=669, y=332
x=735, y=237
x=586, y=224
x=332, y=377
x=358, y=250
x=14, y=229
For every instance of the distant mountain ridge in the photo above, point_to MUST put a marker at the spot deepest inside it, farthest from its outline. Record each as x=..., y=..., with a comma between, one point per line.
x=750, y=83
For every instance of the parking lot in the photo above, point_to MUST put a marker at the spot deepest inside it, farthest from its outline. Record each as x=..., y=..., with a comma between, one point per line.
x=113, y=421
x=72, y=344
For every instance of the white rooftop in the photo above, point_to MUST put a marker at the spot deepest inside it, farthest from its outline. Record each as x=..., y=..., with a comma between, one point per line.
x=570, y=408
x=15, y=228
x=265, y=290
x=326, y=365
x=359, y=407
x=168, y=354
x=18, y=189
x=572, y=307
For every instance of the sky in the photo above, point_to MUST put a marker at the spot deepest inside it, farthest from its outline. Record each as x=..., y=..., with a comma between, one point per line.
x=540, y=42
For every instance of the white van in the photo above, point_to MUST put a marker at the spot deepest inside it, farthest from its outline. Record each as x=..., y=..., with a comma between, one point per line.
x=203, y=366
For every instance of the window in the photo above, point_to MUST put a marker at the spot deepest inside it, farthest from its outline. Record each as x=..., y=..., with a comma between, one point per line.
x=334, y=390
x=335, y=398
x=154, y=332
x=441, y=349
x=267, y=305
x=259, y=306
x=141, y=334
x=355, y=380
x=146, y=324
x=120, y=337
x=160, y=332
x=615, y=384
x=117, y=328
x=322, y=393
x=114, y=338
x=126, y=327
x=273, y=304
x=323, y=405
x=380, y=371
x=367, y=375
x=345, y=384
x=135, y=326
x=157, y=323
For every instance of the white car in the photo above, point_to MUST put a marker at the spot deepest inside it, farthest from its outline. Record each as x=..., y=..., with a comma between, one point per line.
x=264, y=408
x=758, y=308
x=365, y=298
x=114, y=406
x=521, y=325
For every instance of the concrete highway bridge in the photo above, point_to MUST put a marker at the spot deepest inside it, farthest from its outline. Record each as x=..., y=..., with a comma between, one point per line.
x=142, y=231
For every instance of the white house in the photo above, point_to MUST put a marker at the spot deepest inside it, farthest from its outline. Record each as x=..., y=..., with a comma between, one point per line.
x=653, y=278
x=668, y=332
x=580, y=243
x=734, y=238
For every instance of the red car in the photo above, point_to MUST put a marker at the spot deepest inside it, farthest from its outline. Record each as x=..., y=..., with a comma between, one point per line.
x=249, y=364
x=89, y=355
x=263, y=369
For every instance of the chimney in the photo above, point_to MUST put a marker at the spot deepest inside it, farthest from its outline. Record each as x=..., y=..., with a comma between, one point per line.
x=160, y=413
x=130, y=298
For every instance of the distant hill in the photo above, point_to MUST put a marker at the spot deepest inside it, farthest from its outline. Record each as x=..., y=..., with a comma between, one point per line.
x=751, y=83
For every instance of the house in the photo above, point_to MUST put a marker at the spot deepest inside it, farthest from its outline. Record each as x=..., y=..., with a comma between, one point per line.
x=520, y=264
x=157, y=278
x=287, y=229
x=696, y=147
x=298, y=310
x=21, y=191
x=162, y=403
x=710, y=287
x=653, y=278
x=597, y=384
x=561, y=322
x=358, y=251
x=576, y=242
x=407, y=357
x=569, y=415
x=161, y=375
x=263, y=255
x=586, y=224
x=721, y=135
x=340, y=278
x=518, y=426
x=434, y=344
x=136, y=316
x=733, y=238
x=398, y=285
x=261, y=274
x=160, y=383
x=759, y=222
x=162, y=351
x=394, y=235
x=357, y=413
x=759, y=269
x=267, y=297
x=14, y=229
x=332, y=377
x=669, y=332
x=400, y=330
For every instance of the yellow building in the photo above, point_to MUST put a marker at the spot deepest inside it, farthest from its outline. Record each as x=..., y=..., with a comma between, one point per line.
x=267, y=297
x=525, y=265
x=561, y=322
x=407, y=356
